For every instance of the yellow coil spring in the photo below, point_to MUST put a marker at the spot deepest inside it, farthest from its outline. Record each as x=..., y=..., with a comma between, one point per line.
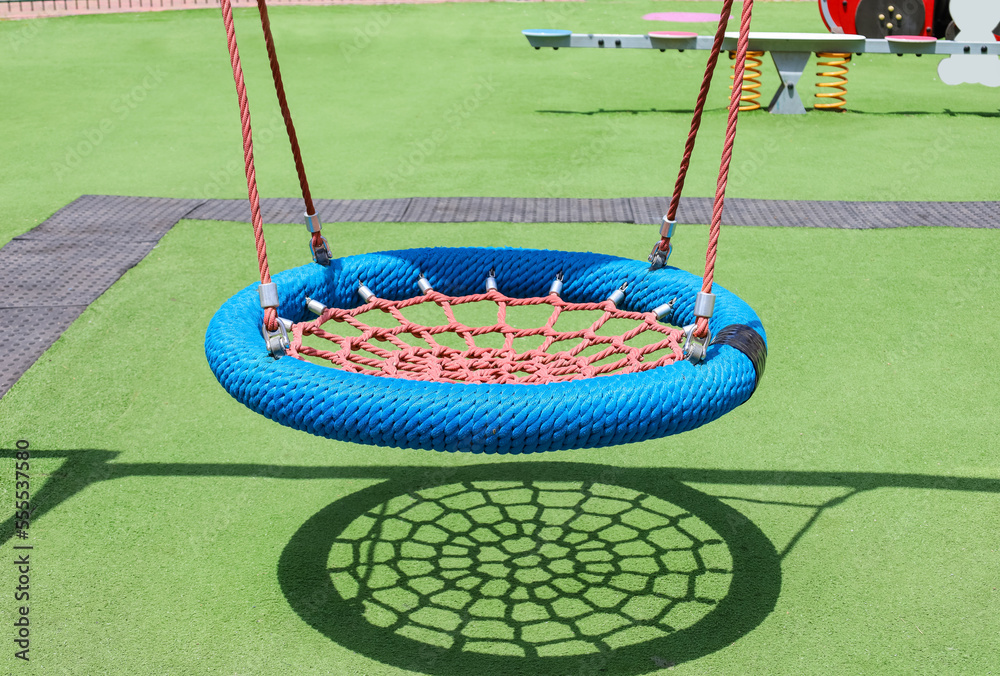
x=839, y=85
x=751, y=80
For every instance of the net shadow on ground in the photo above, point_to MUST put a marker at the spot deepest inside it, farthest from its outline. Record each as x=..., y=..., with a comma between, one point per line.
x=531, y=568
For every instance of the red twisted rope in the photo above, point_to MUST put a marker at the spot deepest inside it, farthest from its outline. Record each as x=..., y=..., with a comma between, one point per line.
x=701, y=330
x=706, y=85
x=270, y=314
x=279, y=88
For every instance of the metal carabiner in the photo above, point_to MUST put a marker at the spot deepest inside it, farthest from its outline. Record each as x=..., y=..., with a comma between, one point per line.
x=321, y=252
x=658, y=258
x=276, y=341
x=695, y=348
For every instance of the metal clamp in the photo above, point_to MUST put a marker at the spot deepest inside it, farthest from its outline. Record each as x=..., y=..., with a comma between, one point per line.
x=365, y=293
x=276, y=341
x=557, y=285
x=312, y=223
x=321, y=252
x=268, y=295
x=618, y=295
x=491, y=281
x=704, y=305
x=315, y=306
x=667, y=228
x=425, y=286
x=695, y=348
x=663, y=311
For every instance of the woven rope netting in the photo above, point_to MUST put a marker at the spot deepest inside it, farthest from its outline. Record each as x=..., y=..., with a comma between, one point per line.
x=416, y=352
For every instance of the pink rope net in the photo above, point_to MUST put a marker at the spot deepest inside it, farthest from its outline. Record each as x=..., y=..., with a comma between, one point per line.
x=432, y=361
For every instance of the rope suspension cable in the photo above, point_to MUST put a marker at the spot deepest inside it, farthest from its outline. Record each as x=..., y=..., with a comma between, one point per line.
x=318, y=244
x=268, y=292
x=705, y=298
x=694, y=349
x=670, y=219
x=704, y=304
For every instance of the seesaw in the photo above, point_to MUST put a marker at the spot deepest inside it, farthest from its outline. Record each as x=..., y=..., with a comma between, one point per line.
x=789, y=51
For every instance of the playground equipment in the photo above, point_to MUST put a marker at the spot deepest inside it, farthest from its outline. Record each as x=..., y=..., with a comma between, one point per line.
x=751, y=80
x=433, y=386
x=789, y=51
x=838, y=60
x=969, y=20
x=857, y=27
x=881, y=18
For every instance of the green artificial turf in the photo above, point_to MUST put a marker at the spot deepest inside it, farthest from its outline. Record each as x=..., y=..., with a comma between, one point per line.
x=450, y=100
x=173, y=526
x=168, y=564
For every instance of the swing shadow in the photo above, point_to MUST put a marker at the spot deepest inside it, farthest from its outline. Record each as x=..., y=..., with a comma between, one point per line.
x=531, y=568
x=947, y=112
x=629, y=111
x=329, y=584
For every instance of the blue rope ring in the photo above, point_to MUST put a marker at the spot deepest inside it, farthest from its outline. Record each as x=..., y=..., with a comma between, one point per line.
x=586, y=413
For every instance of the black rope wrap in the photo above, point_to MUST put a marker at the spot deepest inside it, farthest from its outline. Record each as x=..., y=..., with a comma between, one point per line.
x=747, y=341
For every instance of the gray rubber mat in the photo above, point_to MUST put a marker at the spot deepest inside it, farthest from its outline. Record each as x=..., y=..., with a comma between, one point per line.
x=112, y=218
x=650, y=210
x=517, y=210
x=821, y=214
x=57, y=269
x=643, y=210
x=50, y=274
x=47, y=324
x=289, y=210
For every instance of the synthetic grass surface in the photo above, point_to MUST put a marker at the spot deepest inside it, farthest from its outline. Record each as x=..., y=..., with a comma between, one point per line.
x=167, y=540
x=451, y=100
x=167, y=564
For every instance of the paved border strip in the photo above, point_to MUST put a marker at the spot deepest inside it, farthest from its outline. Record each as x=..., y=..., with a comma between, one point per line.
x=640, y=210
x=47, y=284
x=40, y=277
